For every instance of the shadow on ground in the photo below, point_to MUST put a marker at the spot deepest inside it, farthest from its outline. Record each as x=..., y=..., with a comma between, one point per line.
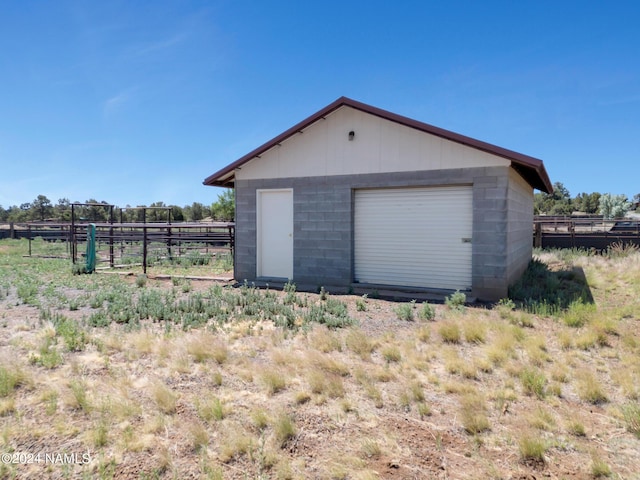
x=550, y=290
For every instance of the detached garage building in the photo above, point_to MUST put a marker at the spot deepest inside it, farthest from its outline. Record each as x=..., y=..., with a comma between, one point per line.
x=355, y=195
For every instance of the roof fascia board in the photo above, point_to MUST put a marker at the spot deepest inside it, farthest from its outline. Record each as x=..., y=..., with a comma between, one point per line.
x=524, y=161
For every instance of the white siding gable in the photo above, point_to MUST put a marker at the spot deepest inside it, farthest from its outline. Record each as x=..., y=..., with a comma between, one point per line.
x=379, y=146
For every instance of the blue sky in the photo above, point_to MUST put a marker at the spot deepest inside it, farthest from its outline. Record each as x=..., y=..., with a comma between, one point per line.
x=137, y=102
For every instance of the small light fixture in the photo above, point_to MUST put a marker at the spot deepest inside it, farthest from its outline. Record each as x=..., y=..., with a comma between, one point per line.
x=352, y=135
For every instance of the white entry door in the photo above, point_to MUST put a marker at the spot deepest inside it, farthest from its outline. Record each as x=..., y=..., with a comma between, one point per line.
x=274, y=228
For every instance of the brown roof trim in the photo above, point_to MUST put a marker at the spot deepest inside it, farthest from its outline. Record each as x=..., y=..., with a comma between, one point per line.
x=531, y=169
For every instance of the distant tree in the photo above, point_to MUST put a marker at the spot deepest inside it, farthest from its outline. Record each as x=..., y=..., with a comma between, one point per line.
x=194, y=212
x=614, y=206
x=587, y=202
x=176, y=213
x=62, y=210
x=563, y=207
x=556, y=203
x=224, y=208
x=139, y=214
x=41, y=208
x=127, y=214
x=636, y=201
x=18, y=214
x=95, y=212
x=4, y=214
x=158, y=215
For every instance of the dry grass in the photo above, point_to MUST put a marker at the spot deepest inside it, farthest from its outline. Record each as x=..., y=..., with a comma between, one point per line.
x=284, y=429
x=590, y=389
x=273, y=380
x=473, y=413
x=532, y=448
x=450, y=332
x=493, y=392
x=165, y=399
x=359, y=343
x=210, y=408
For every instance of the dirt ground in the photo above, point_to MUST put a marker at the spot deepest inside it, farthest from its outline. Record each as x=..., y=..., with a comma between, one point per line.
x=353, y=433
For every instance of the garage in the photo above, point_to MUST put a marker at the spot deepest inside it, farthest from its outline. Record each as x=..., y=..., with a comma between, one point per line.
x=377, y=199
x=416, y=237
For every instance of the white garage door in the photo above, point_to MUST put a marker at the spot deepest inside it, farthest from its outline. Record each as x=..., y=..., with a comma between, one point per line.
x=417, y=237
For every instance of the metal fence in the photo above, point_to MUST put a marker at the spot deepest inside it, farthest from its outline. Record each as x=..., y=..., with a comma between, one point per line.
x=119, y=243
x=592, y=232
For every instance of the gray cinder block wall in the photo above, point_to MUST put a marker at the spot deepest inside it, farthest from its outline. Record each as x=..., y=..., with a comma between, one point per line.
x=323, y=224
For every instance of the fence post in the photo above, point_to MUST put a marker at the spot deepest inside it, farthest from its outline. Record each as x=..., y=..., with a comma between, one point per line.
x=72, y=235
x=144, y=249
x=29, y=230
x=111, y=252
x=572, y=231
x=232, y=239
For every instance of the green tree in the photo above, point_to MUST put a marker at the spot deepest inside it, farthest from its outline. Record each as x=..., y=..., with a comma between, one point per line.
x=127, y=214
x=223, y=209
x=62, y=210
x=41, y=208
x=614, y=206
x=556, y=203
x=18, y=214
x=95, y=212
x=587, y=202
x=177, y=214
x=4, y=214
x=158, y=215
x=194, y=212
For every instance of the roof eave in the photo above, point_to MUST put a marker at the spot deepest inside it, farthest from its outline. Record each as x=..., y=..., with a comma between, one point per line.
x=532, y=169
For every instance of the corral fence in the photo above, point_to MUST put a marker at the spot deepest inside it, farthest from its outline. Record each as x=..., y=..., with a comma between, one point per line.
x=123, y=244
x=589, y=232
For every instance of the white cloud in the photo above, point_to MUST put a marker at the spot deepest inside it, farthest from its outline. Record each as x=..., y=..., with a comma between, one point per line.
x=114, y=104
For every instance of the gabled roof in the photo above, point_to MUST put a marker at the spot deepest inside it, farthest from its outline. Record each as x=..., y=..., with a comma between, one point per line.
x=531, y=169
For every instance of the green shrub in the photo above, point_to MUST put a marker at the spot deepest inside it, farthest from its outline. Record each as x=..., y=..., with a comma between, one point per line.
x=48, y=355
x=405, y=312
x=361, y=304
x=427, y=312
x=456, y=300
x=290, y=291
x=74, y=337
